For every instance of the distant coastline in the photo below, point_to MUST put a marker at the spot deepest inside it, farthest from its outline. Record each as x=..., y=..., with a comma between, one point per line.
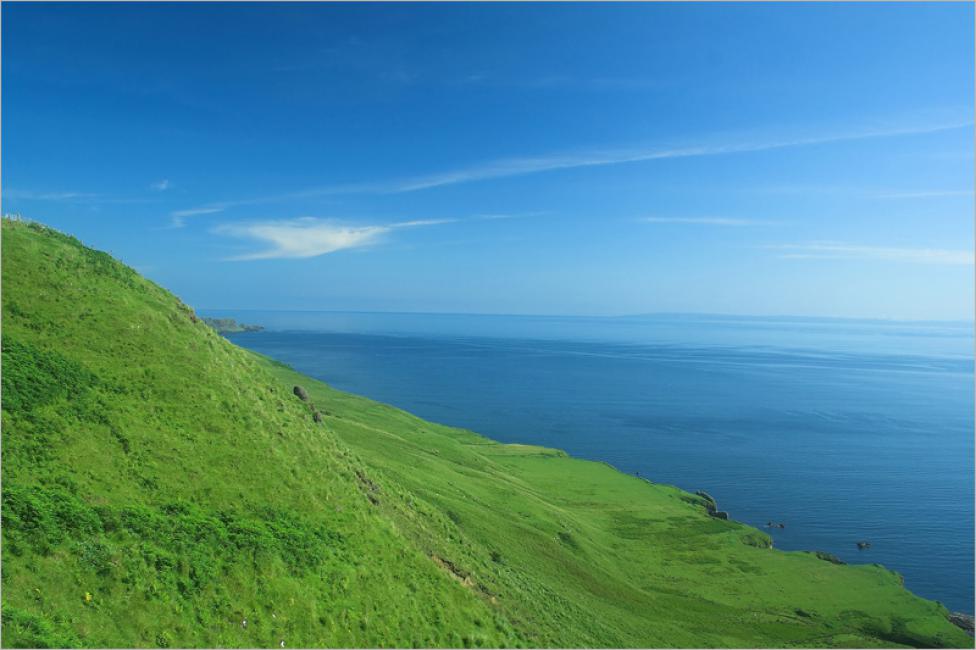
x=663, y=315
x=231, y=326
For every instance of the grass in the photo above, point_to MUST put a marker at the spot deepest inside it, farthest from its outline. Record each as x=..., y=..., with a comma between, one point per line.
x=161, y=485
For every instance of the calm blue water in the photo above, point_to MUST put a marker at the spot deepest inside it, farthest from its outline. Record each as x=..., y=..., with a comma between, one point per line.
x=844, y=430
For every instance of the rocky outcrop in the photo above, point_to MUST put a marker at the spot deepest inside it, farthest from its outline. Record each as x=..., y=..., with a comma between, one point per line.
x=302, y=394
x=710, y=503
x=711, y=506
x=965, y=621
x=829, y=557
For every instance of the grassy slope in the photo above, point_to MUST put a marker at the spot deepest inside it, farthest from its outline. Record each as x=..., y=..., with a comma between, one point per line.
x=192, y=490
x=175, y=478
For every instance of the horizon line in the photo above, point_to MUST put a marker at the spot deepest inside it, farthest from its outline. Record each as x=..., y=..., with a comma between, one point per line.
x=883, y=319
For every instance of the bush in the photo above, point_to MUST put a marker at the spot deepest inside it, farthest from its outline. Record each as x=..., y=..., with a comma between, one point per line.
x=25, y=630
x=42, y=518
x=757, y=539
x=567, y=538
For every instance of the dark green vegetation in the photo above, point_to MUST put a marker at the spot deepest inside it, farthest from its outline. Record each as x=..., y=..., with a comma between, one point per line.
x=229, y=325
x=161, y=485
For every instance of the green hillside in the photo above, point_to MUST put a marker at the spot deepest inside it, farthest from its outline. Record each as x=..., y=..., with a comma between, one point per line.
x=162, y=486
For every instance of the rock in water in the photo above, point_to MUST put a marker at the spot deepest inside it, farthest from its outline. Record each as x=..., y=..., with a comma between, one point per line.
x=300, y=393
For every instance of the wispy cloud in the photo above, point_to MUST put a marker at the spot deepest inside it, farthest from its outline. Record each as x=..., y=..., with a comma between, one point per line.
x=856, y=191
x=179, y=217
x=160, y=186
x=197, y=211
x=842, y=250
x=510, y=167
x=923, y=194
x=706, y=221
x=29, y=195
x=84, y=198
x=311, y=237
x=534, y=165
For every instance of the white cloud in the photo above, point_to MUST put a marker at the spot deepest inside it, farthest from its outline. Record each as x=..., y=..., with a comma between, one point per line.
x=841, y=250
x=311, y=237
x=706, y=221
x=421, y=222
x=196, y=211
x=160, y=186
x=180, y=216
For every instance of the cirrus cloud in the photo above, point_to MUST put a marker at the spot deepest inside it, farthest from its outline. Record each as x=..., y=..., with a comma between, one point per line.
x=843, y=250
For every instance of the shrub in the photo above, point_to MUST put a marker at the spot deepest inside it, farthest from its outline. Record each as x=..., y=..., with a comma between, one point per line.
x=42, y=517
x=23, y=629
x=757, y=539
x=34, y=377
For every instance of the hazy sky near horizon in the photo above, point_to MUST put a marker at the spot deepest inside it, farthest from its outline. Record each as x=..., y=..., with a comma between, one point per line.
x=806, y=159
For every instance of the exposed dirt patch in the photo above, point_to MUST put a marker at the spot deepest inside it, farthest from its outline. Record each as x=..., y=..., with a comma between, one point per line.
x=370, y=489
x=452, y=569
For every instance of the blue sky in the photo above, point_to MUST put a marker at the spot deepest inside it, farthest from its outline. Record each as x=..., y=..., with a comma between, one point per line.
x=805, y=159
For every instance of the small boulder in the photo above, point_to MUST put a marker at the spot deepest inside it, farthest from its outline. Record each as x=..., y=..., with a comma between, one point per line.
x=300, y=393
x=719, y=514
x=317, y=417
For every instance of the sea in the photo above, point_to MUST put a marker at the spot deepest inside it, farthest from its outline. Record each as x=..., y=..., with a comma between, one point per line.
x=842, y=430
